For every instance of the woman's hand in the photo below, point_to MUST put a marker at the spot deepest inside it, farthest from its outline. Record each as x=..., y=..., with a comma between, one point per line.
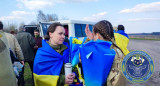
x=88, y=32
x=69, y=78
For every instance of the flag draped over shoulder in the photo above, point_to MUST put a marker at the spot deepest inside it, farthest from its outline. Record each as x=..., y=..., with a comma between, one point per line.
x=122, y=41
x=122, y=33
x=74, y=50
x=97, y=59
x=48, y=64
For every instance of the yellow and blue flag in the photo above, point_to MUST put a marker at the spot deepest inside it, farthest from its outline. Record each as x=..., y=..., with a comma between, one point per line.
x=74, y=50
x=74, y=53
x=122, y=40
x=74, y=46
x=97, y=59
x=48, y=64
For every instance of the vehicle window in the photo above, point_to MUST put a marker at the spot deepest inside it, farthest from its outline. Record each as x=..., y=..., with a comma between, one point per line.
x=91, y=27
x=80, y=30
x=66, y=30
x=83, y=26
x=44, y=28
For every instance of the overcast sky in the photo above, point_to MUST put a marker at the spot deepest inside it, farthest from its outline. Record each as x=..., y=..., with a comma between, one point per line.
x=137, y=16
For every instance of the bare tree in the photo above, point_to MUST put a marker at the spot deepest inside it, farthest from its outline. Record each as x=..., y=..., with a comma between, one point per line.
x=41, y=17
x=52, y=17
x=10, y=27
x=20, y=28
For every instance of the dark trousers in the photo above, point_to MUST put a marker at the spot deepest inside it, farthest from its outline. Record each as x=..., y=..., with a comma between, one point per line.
x=21, y=81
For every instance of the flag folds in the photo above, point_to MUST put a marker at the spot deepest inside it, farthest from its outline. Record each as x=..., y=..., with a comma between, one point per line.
x=48, y=64
x=122, y=41
x=97, y=59
x=74, y=50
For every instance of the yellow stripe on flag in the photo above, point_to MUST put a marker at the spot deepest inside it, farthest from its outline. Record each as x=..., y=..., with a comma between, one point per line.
x=45, y=80
x=122, y=42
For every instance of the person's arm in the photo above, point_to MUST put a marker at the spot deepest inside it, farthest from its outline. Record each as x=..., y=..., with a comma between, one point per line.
x=31, y=40
x=18, y=51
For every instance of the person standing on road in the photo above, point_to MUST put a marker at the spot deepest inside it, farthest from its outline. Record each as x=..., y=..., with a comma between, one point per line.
x=122, y=39
x=27, y=44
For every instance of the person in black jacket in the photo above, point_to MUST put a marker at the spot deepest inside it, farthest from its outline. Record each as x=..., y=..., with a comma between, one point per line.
x=27, y=44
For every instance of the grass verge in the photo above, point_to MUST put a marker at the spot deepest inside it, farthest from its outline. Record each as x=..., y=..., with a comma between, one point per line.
x=145, y=39
x=27, y=75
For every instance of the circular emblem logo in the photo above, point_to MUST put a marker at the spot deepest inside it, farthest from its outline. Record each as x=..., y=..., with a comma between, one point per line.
x=137, y=66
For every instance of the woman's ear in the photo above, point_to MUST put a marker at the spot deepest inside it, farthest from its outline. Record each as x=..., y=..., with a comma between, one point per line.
x=50, y=34
x=98, y=35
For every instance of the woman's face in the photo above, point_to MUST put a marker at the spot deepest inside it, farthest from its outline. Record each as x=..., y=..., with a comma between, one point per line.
x=58, y=36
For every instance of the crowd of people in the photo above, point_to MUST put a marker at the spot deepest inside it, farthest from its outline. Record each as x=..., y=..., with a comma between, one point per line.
x=47, y=58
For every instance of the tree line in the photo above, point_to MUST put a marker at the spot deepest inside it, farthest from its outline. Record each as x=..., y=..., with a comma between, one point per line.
x=41, y=17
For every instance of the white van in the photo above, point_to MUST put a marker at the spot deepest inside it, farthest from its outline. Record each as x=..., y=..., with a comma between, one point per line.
x=74, y=28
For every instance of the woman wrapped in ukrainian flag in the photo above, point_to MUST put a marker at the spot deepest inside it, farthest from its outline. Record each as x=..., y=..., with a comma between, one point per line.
x=50, y=59
x=122, y=39
x=101, y=57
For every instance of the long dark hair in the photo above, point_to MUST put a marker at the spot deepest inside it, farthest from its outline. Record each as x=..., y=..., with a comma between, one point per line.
x=105, y=29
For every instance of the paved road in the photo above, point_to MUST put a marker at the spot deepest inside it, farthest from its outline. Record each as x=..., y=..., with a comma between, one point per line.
x=153, y=49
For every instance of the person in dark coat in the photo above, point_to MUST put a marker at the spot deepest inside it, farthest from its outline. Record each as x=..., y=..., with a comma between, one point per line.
x=27, y=44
